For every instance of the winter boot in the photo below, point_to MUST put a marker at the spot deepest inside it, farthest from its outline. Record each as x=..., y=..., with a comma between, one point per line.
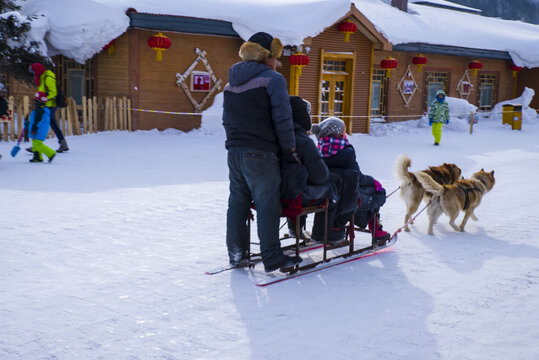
x=283, y=262
x=380, y=236
x=52, y=157
x=63, y=146
x=30, y=149
x=36, y=157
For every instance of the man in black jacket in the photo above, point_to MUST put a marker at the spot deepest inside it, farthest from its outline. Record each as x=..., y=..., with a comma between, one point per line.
x=258, y=123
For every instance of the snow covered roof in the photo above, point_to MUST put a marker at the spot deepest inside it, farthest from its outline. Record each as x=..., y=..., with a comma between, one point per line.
x=445, y=4
x=80, y=28
x=438, y=26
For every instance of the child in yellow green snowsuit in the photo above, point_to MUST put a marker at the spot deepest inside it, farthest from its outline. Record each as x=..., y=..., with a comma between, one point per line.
x=438, y=115
x=39, y=128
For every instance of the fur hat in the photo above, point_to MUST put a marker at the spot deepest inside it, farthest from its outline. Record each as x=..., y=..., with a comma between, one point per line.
x=301, y=109
x=332, y=127
x=260, y=46
x=41, y=97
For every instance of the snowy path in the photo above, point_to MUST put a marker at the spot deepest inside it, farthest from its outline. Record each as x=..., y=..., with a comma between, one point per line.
x=103, y=254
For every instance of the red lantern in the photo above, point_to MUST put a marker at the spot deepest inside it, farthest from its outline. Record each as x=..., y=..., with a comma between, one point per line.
x=388, y=64
x=475, y=65
x=159, y=43
x=347, y=27
x=110, y=47
x=298, y=60
x=515, y=69
x=419, y=60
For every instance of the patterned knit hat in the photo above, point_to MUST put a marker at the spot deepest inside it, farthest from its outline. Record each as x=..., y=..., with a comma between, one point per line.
x=331, y=127
x=41, y=97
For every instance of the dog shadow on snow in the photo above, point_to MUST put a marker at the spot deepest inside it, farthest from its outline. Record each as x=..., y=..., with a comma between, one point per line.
x=366, y=307
x=468, y=251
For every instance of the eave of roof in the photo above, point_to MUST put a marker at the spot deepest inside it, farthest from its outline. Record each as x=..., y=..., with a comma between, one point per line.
x=452, y=50
x=182, y=24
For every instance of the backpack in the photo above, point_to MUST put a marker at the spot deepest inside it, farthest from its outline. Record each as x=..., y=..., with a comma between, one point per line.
x=60, y=97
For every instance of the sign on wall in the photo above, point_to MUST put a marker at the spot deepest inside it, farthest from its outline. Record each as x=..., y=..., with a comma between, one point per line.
x=464, y=87
x=407, y=86
x=200, y=80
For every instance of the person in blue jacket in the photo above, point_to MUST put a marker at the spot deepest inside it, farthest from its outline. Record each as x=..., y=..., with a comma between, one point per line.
x=39, y=128
x=259, y=130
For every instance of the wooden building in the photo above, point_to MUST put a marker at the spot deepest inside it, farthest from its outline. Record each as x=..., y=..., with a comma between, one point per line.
x=343, y=78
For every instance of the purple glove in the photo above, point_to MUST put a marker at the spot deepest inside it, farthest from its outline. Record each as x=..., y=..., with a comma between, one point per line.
x=378, y=186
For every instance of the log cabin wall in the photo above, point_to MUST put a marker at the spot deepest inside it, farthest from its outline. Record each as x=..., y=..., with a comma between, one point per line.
x=331, y=40
x=153, y=83
x=112, y=70
x=454, y=66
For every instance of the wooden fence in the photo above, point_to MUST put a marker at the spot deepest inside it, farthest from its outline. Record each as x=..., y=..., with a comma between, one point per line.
x=92, y=116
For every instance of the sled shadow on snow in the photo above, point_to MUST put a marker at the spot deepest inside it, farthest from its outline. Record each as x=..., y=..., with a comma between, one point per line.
x=366, y=307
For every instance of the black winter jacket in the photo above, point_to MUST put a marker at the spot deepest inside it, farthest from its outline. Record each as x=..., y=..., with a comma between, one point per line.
x=311, y=178
x=257, y=109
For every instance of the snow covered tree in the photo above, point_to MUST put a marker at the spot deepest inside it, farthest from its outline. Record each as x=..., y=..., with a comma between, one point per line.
x=17, y=51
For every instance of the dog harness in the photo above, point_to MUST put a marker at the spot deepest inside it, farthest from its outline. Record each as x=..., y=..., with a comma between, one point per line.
x=467, y=198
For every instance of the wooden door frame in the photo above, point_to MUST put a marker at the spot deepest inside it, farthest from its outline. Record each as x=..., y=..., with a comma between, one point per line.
x=350, y=59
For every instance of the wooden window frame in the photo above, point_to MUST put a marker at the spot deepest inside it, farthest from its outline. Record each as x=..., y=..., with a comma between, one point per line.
x=495, y=76
x=382, y=104
x=445, y=83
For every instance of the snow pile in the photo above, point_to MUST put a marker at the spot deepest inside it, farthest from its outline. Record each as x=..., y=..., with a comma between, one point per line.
x=79, y=29
x=459, y=117
x=528, y=114
x=211, y=122
x=76, y=29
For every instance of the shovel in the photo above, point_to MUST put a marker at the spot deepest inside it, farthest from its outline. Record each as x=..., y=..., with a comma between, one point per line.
x=16, y=148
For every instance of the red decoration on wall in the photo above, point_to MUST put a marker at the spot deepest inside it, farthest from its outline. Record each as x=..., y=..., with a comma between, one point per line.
x=388, y=64
x=515, y=69
x=298, y=60
x=347, y=27
x=475, y=65
x=419, y=60
x=110, y=47
x=159, y=43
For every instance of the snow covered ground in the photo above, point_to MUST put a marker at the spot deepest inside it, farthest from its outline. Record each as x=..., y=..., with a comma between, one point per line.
x=103, y=253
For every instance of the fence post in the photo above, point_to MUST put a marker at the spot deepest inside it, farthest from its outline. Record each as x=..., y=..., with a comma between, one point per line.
x=96, y=112
x=84, y=116
x=129, y=122
x=120, y=114
x=90, y=116
x=471, y=122
x=20, y=112
x=114, y=113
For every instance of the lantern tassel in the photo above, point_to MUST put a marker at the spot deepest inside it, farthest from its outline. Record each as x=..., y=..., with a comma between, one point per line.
x=347, y=37
x=159, y=55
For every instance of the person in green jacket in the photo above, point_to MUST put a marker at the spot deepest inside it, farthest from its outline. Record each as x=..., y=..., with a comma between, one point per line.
x=46, y=82
x=438, y=115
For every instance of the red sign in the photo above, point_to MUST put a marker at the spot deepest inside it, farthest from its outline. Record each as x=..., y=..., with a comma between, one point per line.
x=200, y=81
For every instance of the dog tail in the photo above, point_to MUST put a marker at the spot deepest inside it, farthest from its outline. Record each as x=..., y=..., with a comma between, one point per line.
x=428, y=183
x=402, y=164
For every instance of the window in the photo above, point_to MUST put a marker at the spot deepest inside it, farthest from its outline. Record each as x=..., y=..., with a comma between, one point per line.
x=435, y=81
x=378, y=92
x=76, y=80
x=487, y=91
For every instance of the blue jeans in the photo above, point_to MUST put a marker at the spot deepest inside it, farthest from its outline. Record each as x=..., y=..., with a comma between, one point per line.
x=54, y=124
x=254, y=176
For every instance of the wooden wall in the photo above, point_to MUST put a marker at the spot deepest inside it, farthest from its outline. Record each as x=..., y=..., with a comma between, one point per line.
x=529, y=78
x=331, y=40
x=111, y=70
x=152, y=84
x=454, y=65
